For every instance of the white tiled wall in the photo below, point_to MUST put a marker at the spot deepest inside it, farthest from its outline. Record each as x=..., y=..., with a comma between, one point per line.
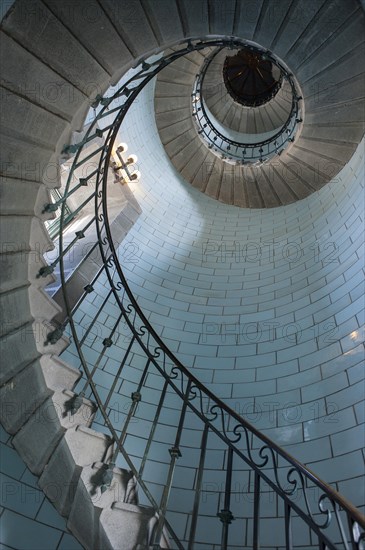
x=264, y=306
x=257, y=302
x=28, y=520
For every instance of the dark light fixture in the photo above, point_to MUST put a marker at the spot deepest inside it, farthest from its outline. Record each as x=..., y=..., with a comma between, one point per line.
x=251, y=78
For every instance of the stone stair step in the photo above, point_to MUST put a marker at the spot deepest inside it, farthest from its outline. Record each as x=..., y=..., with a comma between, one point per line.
x=168, y=104
x=226, y=190
x=274, y=116
x=196, y=163
x=239, y=190
x=22, y=395
x=312, y=167
x=109, y=53
x=181, y=159
x=177, y=144
x=251, y=127
x=334, y=152
x=286, y=39
x=89, y=503
x=349, y=42
x=319, y=96
x=14, y=307
x=204, y=171
x=25, y=205
x=17, y=111
x=215, y=179
x=40, y=435
x=261, y=121
x=168, y=118
x=338, y=113
x=270, y=198
x=18, y=349
x=296, y=178
x=41, y=305
x=136, y=523
x=230, y=116
x=17, y=270
x=342, y=133
x=28, y=31
x=252, y=188
x=221, y=108
x=178, y=73
x=58, y=374
x=166, y=88
x=277, y=177
x=216, y=98
x=79, y=447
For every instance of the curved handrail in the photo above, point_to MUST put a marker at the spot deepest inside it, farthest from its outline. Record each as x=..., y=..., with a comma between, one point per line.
x=243, y=152
x=184, y=384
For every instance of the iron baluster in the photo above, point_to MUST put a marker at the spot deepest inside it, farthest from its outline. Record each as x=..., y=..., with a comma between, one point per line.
x=88, y=287
x=55, y=335
x=357, y=537
x=136, y=398
x=119, y=372
x=256, y=512
x=352, y=527
x=175, y=453
x=198, y=486
x=82, y=183
x=340, y=526
x=82, y=205
x=154, y=426
x=225, y=515
x=110, y=112
x=44, y=271
x=107, y=343
x=288, y=527
x=88, y=157
x=95, y=318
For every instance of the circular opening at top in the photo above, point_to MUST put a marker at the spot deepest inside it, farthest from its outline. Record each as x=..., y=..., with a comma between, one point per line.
x=251, y=78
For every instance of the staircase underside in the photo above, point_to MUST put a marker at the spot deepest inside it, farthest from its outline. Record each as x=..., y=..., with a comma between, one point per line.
x=239, y=118
x=330, y=132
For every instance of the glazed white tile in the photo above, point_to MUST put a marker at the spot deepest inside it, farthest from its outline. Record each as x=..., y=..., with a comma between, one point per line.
x=209, y=276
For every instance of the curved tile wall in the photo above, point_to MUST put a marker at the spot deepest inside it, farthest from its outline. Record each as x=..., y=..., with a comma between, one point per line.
x=28, y=519
x=264, y=306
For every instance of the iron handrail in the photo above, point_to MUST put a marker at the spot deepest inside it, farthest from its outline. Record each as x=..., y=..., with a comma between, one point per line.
x=131, y=312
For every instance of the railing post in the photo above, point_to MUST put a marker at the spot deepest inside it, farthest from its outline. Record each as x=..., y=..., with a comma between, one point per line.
x=199, y=479
x=175, y=453
x=136, y=398
x=225, y=515
x=288, y=529
x=256, y=512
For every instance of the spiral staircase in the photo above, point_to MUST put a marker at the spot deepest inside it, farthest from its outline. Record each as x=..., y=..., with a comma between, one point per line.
x=57, y=60
x=264, y=118
x=312, y=159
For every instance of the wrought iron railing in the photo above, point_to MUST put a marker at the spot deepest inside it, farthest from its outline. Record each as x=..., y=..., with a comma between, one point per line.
x=53, y=226
x=206, y=471
x=243, y=150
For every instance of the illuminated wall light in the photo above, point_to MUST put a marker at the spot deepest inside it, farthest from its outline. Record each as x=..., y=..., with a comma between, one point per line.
x=132, y=159
x=122, y=148
x=135, y=176
x=120, y=166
